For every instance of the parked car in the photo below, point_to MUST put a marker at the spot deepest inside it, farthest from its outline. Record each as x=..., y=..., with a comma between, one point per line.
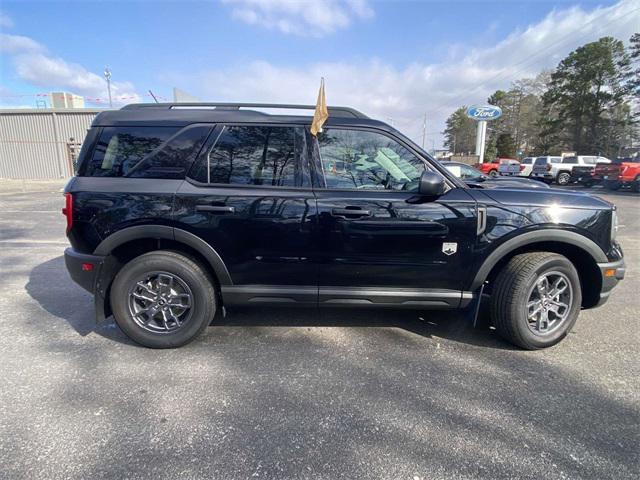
x=584, y=174
x=489, y=168
x=622, y=172
x=526, y=166
x=560, y=172
x=509, y=167
x=179, y=212
x=499, y=166
x=473, y=177
x=541, y=169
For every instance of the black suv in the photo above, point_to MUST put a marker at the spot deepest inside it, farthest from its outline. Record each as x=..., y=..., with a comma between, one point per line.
x=181, y=210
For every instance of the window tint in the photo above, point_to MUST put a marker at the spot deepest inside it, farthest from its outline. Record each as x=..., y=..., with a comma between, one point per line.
x=527, y=161
x=119, y=149
x=257, y=156
x=570, y=160
x=175, y=157
x=590, y=160
x=367, y=160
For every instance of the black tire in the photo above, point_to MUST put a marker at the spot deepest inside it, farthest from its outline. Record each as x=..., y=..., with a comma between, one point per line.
x=493, y=173
x=587, y=184
x=511, y=292
x=195, y=280
x=563, y=178
x=635, y=186
x=612, y=185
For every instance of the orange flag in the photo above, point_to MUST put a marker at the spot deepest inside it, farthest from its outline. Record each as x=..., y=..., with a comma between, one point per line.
x=321, y=114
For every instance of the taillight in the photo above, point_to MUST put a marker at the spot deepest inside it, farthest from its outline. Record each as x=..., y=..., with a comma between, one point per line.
x=521, y=167
x=67, y=211
x=548, y=167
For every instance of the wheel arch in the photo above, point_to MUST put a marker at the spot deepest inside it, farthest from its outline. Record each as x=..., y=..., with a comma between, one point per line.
x=583, y=253
x=132, y=241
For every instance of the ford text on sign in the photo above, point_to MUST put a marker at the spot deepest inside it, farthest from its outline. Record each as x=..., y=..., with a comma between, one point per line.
x=485, y=112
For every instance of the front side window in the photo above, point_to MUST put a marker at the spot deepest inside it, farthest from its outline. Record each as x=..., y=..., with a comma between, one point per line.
x=356, y=159
x=257, y=155
x=119, y=149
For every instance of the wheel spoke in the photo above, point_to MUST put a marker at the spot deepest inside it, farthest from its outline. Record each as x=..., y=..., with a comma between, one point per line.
x=140, y=296
x=146, y=287
x=182, y=300
x=165, y=283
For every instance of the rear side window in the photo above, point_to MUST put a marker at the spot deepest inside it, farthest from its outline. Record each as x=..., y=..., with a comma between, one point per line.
x=119, y=149
x=146, y=152
x=257, y=155
x=527, y=161
x=570, y=160
x=556, y=159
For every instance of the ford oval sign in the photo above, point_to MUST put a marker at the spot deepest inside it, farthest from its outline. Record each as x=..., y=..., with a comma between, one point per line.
x=484, y=112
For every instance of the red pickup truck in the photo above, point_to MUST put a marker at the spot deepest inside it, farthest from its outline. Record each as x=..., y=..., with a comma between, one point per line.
x=622, y=172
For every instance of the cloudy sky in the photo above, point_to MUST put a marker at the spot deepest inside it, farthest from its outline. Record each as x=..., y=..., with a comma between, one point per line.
x=394, y=60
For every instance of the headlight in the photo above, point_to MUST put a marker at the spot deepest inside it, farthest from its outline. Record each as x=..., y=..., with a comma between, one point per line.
x=614, y=224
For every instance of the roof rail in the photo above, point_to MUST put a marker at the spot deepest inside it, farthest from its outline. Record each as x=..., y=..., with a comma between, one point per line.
x=336, y=111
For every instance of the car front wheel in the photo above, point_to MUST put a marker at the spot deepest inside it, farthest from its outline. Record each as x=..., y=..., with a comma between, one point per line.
x=162, y=299
x=536, y=299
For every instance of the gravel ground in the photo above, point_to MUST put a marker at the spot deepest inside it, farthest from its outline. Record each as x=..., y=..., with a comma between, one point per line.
x=299, y=394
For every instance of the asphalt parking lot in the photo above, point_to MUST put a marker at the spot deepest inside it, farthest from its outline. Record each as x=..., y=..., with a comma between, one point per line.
x=297, y=394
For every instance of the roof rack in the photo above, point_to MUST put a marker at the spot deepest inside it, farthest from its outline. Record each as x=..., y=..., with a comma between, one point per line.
x=335, y=111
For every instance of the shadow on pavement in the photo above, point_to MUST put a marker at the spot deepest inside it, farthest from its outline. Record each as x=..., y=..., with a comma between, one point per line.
x=50, y=285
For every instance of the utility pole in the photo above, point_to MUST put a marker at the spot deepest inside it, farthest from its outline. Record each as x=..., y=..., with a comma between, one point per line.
x=424, y=130
x=107, y=76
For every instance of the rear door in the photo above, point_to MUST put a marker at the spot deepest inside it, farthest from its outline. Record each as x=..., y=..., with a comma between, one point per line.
x=378, y=242
x=249, y=196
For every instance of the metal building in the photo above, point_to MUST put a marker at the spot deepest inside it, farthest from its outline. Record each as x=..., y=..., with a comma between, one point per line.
x=41, y=143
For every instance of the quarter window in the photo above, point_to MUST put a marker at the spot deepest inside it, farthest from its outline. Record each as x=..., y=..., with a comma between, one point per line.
x=367, y=160
x=255, y=155
x=119, y=149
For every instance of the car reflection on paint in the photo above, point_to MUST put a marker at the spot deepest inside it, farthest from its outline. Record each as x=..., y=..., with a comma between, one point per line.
x=475, y=178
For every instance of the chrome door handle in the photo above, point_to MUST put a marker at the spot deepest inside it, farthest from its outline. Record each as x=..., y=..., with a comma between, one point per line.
x=350, y=212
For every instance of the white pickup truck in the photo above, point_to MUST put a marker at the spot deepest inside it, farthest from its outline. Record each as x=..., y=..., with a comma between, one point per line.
x=558, y=169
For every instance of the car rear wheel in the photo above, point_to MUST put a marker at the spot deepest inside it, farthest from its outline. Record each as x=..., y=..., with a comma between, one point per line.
x=563, y=178
x=635, y=186
x=536, y=299
x=162, y=299
x=493, y=173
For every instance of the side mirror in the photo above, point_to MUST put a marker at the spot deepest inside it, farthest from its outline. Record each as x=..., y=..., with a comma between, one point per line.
x=431, y=184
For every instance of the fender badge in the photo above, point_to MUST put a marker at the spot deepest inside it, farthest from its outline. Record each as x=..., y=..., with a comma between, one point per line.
x=449, y=248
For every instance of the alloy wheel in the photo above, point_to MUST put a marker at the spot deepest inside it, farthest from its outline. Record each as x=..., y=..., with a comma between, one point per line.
x=549, y=303
x=160, y=302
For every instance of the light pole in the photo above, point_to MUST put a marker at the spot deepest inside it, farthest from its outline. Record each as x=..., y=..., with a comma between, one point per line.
x=107, y=76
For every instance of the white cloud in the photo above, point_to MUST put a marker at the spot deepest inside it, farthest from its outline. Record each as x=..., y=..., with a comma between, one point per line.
x=406, y=94
x=307, y=18
x=5, y=21
x=34, y=65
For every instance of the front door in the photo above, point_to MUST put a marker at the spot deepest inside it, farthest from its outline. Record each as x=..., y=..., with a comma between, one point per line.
x=250, y=198
x=379, y=243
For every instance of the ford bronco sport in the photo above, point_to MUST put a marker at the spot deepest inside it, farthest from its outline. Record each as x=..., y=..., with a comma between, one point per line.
x=179, y=211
